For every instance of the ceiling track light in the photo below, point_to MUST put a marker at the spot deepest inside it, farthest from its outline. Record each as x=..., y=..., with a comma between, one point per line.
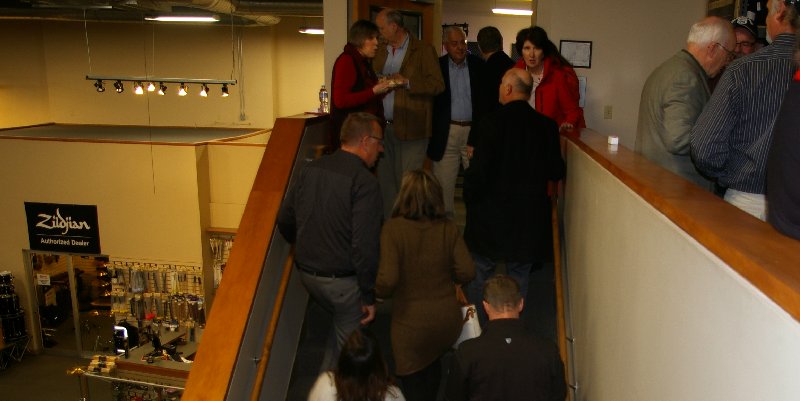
x=161, y=88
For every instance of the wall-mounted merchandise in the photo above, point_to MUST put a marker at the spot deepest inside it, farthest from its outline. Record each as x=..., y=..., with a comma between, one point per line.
x=166, y=294
x=221, y=244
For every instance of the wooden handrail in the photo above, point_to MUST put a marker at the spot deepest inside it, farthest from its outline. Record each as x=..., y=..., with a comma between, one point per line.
x=213, y=369
x=561, y=324
x=272, y=328
x=751, y=247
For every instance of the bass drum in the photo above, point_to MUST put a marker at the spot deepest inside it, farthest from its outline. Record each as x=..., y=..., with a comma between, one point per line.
x=13, y=327
x=9, y=304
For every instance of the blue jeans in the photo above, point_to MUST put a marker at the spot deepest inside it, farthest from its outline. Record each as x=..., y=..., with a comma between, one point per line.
x=484, y=269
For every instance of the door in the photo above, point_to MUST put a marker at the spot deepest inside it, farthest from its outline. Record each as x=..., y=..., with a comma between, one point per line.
x=72, y=298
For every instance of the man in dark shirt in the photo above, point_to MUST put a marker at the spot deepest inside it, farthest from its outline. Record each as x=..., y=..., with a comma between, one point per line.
x=490, y=42
x=517, y=153
x=333, y=214
x=506, y=362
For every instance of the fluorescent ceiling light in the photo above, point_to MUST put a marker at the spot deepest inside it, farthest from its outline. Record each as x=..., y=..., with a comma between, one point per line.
x=511, y=11
x=312, y=31
x=184, y=18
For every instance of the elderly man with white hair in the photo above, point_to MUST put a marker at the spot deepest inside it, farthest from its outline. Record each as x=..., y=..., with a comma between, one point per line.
x=732, y=136
x=675, y=93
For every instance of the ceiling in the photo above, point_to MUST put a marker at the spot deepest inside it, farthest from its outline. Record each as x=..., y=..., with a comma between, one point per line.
x=249, y=12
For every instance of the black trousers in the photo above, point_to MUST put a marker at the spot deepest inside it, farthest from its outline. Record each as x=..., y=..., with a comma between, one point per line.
x=423, y=385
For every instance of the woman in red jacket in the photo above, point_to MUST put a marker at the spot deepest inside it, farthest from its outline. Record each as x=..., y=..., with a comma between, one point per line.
x=354, y=85
x=555, y=85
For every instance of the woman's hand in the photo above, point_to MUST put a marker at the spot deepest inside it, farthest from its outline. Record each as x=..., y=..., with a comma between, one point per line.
x=566, y=127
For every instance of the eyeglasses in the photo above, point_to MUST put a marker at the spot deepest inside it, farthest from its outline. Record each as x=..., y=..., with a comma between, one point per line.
x=731, y=54
x=380, y=140
x=745, y=44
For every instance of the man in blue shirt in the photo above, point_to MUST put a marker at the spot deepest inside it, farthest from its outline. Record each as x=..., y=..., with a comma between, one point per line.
x=455, y=110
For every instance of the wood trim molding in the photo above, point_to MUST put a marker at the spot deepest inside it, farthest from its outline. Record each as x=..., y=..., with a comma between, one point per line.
x=751, y=247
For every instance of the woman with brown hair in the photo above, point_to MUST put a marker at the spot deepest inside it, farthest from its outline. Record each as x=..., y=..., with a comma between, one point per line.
x=555, y=84
x=422, y=255
x=361, y=375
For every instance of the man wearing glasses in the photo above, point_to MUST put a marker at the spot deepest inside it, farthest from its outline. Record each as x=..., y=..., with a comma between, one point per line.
x=746, y=36
x=731, y=138
x=333, y=213
x=675, y=93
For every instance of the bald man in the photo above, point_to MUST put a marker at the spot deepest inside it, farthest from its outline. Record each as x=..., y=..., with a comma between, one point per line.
x=505, y=187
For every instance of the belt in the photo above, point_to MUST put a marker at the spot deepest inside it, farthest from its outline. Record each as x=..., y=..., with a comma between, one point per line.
x=461, y=123
x=324, y=274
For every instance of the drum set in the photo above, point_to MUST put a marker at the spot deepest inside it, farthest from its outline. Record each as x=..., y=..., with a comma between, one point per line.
x=11, y=314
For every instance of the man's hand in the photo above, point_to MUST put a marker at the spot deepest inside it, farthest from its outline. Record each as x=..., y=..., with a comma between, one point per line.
x=470, y=151
x=399, y=79
x=382, y=87
x=369, y=310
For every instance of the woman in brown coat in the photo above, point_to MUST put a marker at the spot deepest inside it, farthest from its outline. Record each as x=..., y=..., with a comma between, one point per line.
x=422, y=255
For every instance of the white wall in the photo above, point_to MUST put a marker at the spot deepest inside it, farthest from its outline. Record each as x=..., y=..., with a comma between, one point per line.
x=655, y=316
x=630, y=38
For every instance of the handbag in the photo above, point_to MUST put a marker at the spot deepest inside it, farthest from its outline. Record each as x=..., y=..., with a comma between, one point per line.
x=471, y=327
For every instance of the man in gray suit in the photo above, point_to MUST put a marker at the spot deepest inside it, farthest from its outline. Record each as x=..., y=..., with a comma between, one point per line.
x=675, y=93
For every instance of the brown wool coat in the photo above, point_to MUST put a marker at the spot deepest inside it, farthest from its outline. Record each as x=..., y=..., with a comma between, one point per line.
x=420, y=261
x=413, y=106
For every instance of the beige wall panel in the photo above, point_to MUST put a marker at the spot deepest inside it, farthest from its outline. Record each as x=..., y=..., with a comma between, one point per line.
x=196, y=51
x=630, y=39
x=657, y=317
x=299, y=67
x=23, y=81
x=146, y=196
x=232, y=170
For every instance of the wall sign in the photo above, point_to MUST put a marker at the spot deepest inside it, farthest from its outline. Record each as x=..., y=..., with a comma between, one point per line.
x=63, y=228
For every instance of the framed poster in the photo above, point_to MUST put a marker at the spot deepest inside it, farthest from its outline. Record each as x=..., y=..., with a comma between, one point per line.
x=577, y=52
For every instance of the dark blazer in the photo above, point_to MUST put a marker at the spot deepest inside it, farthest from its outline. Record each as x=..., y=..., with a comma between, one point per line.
x=505, y=186
x=441, y=103
x=496, y=66
x=506, y=363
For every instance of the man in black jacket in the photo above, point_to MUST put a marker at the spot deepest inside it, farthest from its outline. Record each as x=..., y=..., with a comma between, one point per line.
x=505, y=187
x=333, y=214
x=462, y=104
x=497, y=61
x=506, y=362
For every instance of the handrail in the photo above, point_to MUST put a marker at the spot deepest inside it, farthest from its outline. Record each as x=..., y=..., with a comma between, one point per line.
x=561, y=325
x=751, y=247
x=272, y=328
x=215, y=362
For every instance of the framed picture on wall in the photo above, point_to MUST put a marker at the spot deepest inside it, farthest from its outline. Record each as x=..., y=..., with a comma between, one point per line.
x=412, y=20
x=577, y=52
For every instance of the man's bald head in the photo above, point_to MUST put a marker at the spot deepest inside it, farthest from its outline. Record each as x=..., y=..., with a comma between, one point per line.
x=516, y=85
